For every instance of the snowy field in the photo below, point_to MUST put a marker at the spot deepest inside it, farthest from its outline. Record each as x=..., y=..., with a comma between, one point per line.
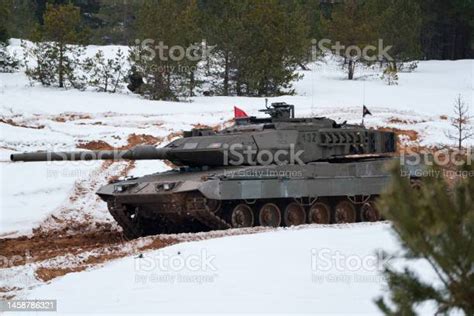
x=288, y=271
x=267, y=272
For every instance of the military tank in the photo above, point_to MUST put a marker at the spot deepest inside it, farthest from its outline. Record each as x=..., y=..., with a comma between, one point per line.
x=272, y=171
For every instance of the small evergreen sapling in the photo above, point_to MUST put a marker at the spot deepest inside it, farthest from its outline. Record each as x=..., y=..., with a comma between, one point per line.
x=106, y=75
x=434, y=223
x=390, y=75
x=8, y=62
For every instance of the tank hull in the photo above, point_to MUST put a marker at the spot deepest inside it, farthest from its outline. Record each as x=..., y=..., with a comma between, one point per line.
x=196, y=200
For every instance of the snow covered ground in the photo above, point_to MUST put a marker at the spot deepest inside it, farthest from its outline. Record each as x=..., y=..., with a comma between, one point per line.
x=288, y=271
x=314, y=269
x=267, y=272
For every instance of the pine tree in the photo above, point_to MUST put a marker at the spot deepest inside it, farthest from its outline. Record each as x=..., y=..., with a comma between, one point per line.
x=351, y=25
x=168, y=71
x=21, y=21
x=190, y=34
x=4, y=13
x=61, y=26
x=57, y=50
x=116, y=22
x=447, y=29
x=223, y=28
x=275, y=43
x=258, y=45
x=8, y=63
x=315, y=10
x=434, y=223
x=399, y=26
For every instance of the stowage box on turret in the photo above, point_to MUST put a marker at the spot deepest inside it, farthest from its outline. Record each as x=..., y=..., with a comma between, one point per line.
x=272, y=171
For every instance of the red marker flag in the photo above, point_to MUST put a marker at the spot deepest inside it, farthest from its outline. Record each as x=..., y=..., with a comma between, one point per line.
x=238, y=113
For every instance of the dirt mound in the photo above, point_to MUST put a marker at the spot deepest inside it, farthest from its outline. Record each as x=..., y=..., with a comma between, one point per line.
x=48, y=245
x=216, y=127
x=13, y=123
x=141, y=139
x=95, y=145
x=55, y=254
x=132, y=140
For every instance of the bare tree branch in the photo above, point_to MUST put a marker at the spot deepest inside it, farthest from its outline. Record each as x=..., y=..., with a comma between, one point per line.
x=461, y=123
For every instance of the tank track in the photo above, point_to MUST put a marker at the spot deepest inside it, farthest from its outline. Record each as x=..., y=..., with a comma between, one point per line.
x=120, y=214
x=202, y=215
x=134, y=226
x=197, y=210
x=198, y=207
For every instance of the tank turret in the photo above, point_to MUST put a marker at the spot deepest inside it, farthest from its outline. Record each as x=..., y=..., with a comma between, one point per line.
x=278, y=139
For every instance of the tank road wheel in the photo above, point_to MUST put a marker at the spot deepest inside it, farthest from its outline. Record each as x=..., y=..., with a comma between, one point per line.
x=242, y=216
x=213, y=205
x=319, y=213
x=344, y=212
x=369, y=212
x=269, y=215
x=294, y=214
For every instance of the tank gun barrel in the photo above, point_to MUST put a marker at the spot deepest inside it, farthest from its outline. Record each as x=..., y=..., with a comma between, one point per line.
x=136, y=153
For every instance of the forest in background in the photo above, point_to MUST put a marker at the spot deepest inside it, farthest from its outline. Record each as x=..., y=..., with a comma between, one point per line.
x=255, y=46
x=446, y=30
